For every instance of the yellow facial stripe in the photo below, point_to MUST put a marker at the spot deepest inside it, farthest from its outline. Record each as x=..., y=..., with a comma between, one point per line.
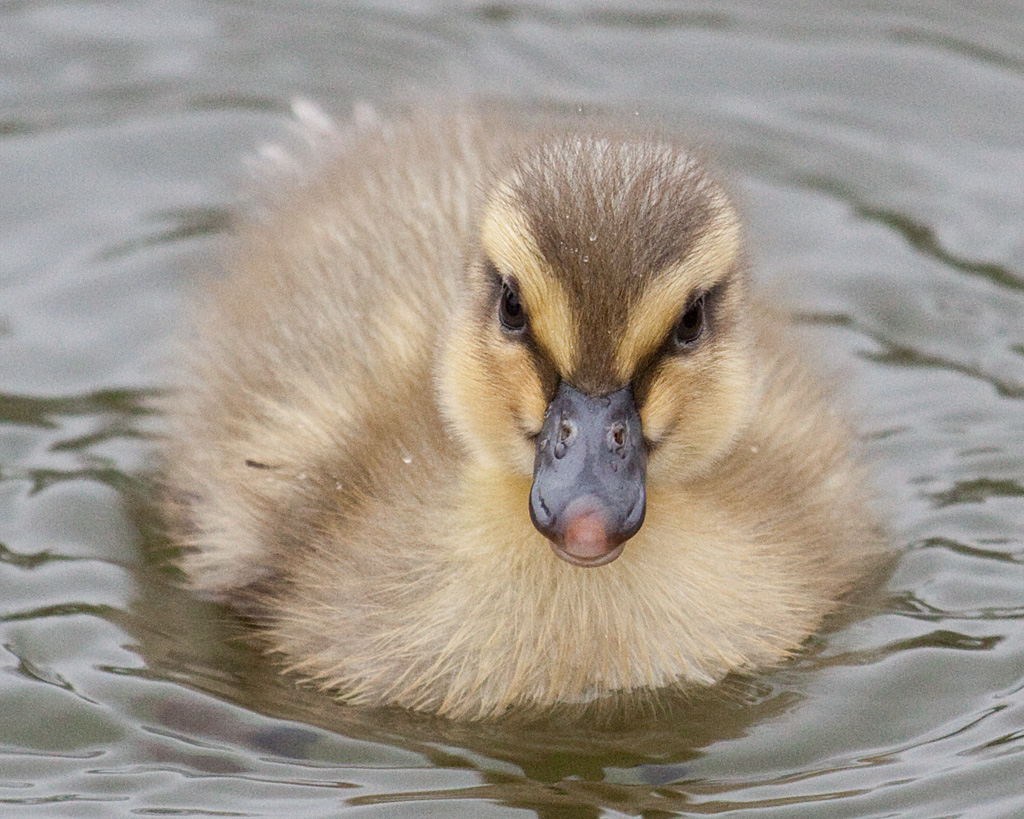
x=658, y=309
x=508, y=241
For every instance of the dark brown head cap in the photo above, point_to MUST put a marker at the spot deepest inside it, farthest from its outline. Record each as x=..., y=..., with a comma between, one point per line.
x=606, y=217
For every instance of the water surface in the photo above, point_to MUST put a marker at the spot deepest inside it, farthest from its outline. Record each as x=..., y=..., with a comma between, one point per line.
x=877, y=153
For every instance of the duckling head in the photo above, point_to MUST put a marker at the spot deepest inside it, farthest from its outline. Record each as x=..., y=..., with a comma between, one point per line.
x=600, y=351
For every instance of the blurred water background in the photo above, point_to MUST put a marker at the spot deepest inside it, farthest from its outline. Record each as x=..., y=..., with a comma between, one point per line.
x=878, y=152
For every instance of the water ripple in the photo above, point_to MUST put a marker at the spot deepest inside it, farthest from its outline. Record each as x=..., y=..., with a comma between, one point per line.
x=911, y=605
x=918, y=235
x=42, y=411
x=62, y=798
x=100, y=610
x=974, y=52
x=939, y=638
x=31, y=560
x=922, y=238
x=186, y=224
x=42, y=479
x=902, y=355
x=978, y=490
x=635, y=19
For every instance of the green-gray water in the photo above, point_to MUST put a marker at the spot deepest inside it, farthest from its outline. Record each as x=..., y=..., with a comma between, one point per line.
x=878, y=152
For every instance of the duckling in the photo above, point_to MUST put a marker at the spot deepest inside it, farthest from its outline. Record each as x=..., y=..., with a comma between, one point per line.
x=484, y=416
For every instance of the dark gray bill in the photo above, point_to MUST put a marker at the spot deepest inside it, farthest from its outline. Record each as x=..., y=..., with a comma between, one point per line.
x=588, y=496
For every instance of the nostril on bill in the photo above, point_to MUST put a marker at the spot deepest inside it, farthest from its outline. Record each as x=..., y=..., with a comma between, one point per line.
x=564, y=437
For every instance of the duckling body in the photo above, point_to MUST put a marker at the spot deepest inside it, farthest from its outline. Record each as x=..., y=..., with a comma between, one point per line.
x=357, y=449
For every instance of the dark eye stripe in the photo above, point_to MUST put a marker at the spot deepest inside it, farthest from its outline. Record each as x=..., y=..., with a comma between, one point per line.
x=646, y=369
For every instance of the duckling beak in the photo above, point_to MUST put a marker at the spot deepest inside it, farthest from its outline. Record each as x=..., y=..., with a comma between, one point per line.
x=588, y=496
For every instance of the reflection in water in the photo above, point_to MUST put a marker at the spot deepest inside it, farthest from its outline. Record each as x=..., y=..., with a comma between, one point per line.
x=545, y=763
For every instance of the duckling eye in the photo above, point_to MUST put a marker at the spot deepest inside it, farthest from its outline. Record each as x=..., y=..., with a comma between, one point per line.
x=690, y=326
x=511, y=312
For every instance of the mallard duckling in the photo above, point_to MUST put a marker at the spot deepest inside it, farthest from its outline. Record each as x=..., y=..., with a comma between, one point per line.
x=483, y=416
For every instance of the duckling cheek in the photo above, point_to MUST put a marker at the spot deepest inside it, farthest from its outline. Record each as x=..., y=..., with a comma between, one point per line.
x=523, y=400
x=691, y=426
x=659, y=411
x=512, y=390
x=530, y=405
x=493, y=400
